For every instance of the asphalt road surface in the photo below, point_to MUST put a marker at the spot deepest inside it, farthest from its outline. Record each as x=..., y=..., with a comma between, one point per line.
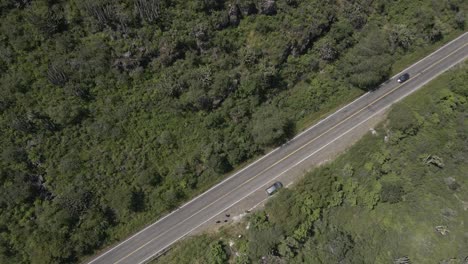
x=159, y=236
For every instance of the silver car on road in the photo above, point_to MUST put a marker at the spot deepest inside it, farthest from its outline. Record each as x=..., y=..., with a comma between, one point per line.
x=274, y=188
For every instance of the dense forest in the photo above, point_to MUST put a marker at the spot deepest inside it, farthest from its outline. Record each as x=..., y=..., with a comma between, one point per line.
x=112, y=112
x=398, y=196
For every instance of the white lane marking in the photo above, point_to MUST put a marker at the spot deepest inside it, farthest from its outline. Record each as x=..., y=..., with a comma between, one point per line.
x=367, y=93
x=326, y=118
x=430, y=79
x=308, y=156
x=262, y=201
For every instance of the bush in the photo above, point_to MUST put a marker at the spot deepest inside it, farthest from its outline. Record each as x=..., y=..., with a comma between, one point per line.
x=369, y=62
x=391, y=193
x=270, y=127
x=404, y=119
x=217, y=254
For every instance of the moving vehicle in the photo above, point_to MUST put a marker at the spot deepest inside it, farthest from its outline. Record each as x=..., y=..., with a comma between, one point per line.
x=403, y=78
x=274, y=188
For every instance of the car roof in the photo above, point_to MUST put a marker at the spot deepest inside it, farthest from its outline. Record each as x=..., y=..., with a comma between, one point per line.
x=274, y=186
x=271, y=189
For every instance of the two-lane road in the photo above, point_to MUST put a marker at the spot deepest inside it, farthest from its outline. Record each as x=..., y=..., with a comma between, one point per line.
x=157, y=237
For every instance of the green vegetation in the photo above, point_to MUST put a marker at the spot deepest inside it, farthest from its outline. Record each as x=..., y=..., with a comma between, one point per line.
x=395, y=197
x=114, y=112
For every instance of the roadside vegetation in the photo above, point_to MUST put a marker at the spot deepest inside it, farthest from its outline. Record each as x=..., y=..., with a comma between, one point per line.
x=397, y=196
x=114, y=112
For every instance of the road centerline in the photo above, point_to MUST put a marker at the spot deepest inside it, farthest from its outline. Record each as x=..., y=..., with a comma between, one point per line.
x=315, y=152
x=256, y=176
x=295, y=151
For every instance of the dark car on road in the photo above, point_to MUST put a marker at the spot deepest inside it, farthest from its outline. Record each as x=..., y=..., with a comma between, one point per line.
x=274, y=188
x=403, y=78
